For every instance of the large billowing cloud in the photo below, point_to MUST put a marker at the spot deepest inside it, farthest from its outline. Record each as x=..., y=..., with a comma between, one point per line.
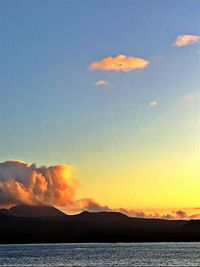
x=23, y=183
x=183, y=40
x=119, y=63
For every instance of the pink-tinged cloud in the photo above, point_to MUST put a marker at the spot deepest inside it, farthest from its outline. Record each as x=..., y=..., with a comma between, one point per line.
x=101, y=83
x=183, y=40
x=181, y=214
x=23, y=183
x=91, y=205
x=174, y=215
x=119, y=63
x=195, y=216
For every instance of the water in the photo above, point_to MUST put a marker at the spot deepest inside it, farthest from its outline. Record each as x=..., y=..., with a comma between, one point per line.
x=120, y=254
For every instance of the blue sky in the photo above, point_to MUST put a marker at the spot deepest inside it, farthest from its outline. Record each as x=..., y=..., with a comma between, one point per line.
x=51, y=110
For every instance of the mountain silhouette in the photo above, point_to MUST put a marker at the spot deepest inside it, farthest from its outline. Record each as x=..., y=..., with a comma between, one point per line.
x=193, y=225
x=44, y=224
x=33, y=211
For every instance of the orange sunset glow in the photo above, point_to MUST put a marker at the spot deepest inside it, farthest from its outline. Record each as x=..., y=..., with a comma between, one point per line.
x=100, y=107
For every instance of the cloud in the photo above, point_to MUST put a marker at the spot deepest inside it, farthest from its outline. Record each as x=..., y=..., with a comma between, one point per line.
x=195, y=216
x=101, y=83
x=183, y=40
x=174, y=215
x=24, y=183
x=142, y=214
x=90, y=205
x=181, y=214
x=132, y=213
x=153, y=103
x=119, y=63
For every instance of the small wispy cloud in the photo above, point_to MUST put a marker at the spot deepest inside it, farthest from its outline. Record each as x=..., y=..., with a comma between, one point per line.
x=101, y=83
x=183, y=40
x=119, y=63
x=153, y=103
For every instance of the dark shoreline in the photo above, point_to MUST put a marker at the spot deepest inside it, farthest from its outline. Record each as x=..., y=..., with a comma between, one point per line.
x=101, y=227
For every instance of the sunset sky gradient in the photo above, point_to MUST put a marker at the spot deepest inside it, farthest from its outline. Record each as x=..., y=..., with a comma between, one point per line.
x=111, y=88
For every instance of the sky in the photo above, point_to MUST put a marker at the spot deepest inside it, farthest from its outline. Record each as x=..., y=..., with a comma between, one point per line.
x=109, y=87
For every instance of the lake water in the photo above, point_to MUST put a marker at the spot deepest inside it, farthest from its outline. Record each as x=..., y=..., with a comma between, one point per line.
x=119, y=254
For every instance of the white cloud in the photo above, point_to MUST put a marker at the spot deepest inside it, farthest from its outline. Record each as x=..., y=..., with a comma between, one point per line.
x=101, y=83
x=153, y=103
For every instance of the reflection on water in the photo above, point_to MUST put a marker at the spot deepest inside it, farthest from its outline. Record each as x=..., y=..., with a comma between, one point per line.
x=120, y=254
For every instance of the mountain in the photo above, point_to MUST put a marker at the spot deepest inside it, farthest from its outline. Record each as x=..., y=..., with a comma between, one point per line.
x=3, y=211
x=102, y=216
x=193, y=225
x=41, y=224
x=33, y=211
